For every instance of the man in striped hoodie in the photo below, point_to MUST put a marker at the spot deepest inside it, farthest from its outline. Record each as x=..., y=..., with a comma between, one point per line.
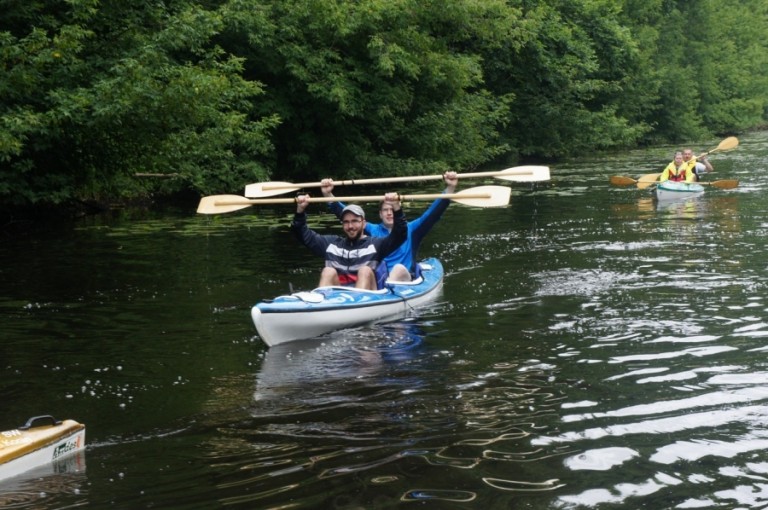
x=350, y=259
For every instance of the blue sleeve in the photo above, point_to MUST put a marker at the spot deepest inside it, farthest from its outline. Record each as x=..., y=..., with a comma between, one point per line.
x=399, y=234
x=421, y=226
x=336, y=208
x=306, y=236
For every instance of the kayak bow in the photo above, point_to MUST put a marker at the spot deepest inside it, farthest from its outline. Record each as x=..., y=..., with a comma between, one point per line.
x=42, y=440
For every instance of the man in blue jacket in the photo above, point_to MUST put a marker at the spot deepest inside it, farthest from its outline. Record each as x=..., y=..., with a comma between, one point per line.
x=351, y=259
x=400, y=265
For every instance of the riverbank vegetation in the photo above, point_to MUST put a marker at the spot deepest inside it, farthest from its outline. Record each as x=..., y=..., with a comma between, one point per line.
x=109, y=100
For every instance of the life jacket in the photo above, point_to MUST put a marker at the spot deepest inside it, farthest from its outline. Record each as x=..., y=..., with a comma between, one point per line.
x=678, y=174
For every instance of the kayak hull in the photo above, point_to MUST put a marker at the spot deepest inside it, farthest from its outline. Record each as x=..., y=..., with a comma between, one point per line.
x=671, y=190
x=32, y=446
x=304, y=315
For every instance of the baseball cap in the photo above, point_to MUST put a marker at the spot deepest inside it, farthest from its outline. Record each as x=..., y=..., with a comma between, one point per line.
x=354, y=209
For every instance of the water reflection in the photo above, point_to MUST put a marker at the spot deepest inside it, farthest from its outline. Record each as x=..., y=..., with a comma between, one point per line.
x=704, y=356
x=51, y=483
x=301, y=367
x=687, y=208
x=383, y=416
x=718, y=205
x=324, y=410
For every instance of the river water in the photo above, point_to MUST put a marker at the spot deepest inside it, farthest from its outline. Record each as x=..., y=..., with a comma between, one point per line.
x=590, y=349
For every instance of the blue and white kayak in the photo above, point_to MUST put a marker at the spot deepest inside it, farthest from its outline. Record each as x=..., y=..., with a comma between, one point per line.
x=42, y=440
x=674, y=190
x=303, y=315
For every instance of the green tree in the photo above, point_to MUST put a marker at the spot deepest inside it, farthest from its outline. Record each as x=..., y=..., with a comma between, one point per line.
x=568, y=78
x=220, y=93
x=702, y=66
x=375, y=87
x=97, y=91
x=731, y=56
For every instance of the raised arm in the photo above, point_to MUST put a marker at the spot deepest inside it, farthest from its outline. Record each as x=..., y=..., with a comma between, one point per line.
x=399, y=233
x=424, y=223
x=306, y=236
x=326, y=186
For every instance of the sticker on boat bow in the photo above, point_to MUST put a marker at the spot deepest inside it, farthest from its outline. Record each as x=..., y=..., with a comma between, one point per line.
x=70, y=445
x=309, y=297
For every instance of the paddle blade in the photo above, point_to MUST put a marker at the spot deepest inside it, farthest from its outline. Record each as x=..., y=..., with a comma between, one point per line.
x=269, y=189
x=497, y=196
x=620, y=180
x=724, y=184
x=220, y=204
x=528, y=173
x=728, y=144
x=647, y=180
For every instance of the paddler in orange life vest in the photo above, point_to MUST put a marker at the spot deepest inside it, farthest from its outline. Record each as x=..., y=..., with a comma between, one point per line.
x=699, y=167
x=678, y=171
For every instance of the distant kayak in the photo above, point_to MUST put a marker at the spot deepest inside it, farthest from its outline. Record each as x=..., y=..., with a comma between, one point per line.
x=672, y=190
x=305, y=315
x=42, y=440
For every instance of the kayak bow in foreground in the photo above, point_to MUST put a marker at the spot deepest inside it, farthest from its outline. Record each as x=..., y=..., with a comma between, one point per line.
x=42, y=440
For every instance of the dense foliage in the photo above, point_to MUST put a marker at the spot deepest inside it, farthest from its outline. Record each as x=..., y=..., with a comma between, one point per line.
x=216, y=94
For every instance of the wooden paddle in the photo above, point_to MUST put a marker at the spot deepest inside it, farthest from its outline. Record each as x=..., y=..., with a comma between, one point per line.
x=481, y=196
x=647, y=180
x=529, y=173
x=620, y=180
x=723, y=184
x=728, y=144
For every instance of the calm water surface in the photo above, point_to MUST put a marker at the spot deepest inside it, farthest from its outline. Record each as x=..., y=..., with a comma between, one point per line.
x=591, y=349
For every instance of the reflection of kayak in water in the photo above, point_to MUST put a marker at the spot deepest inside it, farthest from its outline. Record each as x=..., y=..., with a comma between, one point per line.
x=305, y=368
x=58, y=479
x=672, y=190
x=304, y=315
x=42, y=440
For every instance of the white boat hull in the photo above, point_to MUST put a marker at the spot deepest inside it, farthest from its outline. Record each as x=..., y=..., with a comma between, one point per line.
x=305, y=315
x=26, y=448
x=671, y=190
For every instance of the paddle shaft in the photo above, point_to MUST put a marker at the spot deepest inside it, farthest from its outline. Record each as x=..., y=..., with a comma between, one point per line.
x=364, y=198
x=481, y=196
x=385, y=180
x=722, y=184
x=620, y=180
